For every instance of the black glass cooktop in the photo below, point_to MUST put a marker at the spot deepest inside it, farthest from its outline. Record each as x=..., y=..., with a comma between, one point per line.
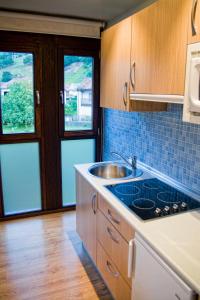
x=152, y=198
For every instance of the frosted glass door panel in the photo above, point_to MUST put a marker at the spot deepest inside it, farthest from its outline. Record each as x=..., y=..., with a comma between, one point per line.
x=20, y=170
x=74, y=152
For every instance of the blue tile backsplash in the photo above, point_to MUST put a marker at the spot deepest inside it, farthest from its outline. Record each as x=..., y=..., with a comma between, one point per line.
x=160, y=140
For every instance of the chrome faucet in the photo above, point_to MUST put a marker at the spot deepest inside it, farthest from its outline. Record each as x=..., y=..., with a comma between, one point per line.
x=132, y=162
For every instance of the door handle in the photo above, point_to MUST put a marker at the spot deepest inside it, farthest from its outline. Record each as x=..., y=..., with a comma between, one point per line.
x=61, y=97
x=37, y=97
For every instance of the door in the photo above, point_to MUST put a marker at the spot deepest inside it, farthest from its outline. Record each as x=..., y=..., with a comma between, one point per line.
x=20, y=129
x=79, y=122
x=115, y=65
x=158, y=56
x=194, y=22
x=49, y=98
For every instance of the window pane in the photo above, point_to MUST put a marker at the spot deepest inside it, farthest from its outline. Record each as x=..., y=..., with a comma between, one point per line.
x=78, y=92
x=20, y=170
x=71, y=155
x=16, y=92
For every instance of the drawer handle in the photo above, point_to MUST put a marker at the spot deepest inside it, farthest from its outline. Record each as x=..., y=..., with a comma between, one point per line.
x=110, y=269
x=112, y=218
x=112, y=236
x=94, y=203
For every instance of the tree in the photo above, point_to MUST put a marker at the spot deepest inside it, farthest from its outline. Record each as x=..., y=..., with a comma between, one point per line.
x=6, y=76
x=71, y=106
x=28, y=59
x=17, y=106
x=6, y=59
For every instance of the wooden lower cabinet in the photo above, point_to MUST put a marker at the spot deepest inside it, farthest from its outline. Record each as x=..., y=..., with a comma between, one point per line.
x=105, y=235
x=115, y=218
x=115, y=245
x=111, y=275
x=86, y=208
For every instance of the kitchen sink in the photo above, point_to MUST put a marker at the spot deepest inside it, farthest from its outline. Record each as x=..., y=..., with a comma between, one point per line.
x=114, y=170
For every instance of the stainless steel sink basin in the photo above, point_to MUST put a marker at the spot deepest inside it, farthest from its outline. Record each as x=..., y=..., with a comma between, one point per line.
x=111, y=170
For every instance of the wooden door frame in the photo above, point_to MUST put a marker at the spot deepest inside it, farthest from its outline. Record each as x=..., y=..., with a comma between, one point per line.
x=49, y=139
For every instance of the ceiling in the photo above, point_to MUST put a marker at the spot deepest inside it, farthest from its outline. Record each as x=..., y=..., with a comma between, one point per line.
x=101, y=10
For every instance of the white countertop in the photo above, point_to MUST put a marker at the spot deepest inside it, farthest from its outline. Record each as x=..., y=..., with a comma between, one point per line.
x=175, y=238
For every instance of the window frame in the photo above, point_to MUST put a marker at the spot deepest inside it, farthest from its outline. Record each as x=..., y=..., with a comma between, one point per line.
x=37, y=69
x=92, y=133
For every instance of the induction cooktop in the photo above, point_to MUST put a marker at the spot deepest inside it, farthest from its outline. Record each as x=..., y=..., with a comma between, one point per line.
x=152, y=198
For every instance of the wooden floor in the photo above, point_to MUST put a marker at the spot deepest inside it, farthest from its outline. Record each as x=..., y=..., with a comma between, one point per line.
x=42, y=258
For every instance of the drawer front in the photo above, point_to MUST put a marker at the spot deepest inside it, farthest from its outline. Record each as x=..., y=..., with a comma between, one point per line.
x=114, y=244
x=114, y=217
x=118, y=287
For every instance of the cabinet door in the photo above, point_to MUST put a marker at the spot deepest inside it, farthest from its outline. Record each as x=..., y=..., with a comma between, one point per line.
x=115, y=65
x=86, y=209
x=194, y=22
x=159, y=38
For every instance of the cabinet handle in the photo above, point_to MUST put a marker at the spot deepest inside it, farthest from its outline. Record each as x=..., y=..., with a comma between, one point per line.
x=177, y=297
x=130, y=257
x=112, y=236
x=110, y=269
x=37, y=97
x=125, y=90
x=193, y=15
x=61, y=97
x=132, y=75
x=94, y=208
x=112, y=218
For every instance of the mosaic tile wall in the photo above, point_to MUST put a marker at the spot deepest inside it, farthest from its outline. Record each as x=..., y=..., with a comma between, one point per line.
x=160, y=140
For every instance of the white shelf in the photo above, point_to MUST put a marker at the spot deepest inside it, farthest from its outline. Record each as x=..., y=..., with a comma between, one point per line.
x=178, y=99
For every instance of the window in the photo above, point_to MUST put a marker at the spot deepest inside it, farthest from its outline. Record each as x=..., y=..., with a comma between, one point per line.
x=16, y=92
x=78, y=91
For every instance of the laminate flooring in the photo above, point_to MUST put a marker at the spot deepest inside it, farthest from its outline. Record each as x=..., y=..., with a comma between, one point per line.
x=42, y=258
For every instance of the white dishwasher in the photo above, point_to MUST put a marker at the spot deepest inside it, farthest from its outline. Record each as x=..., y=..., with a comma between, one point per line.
x=152, y=278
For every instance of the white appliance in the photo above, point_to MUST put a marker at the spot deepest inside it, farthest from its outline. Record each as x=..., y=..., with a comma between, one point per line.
x=191, y=107
x=152, y=278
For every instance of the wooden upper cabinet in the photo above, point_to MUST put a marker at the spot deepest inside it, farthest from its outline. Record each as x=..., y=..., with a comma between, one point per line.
x=194, y=22
x=159, y=39
x=115, y=65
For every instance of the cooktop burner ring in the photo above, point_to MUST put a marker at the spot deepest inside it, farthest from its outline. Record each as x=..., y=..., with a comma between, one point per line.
x=143, y=204
x=134, y=190
x=151, y=185
x=167, y=201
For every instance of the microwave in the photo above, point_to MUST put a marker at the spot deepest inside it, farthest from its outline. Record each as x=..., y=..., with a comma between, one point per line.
x=191, y=107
